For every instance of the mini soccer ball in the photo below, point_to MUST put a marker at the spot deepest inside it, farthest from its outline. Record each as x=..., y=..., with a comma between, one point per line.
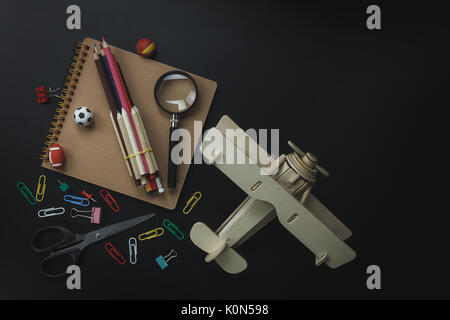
x=83, y=116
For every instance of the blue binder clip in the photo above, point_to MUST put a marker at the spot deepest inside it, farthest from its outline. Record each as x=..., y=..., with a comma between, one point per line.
x=77, y=200
x=162, y=261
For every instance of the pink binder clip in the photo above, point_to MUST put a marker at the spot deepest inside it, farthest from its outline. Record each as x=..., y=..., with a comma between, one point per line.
x=95, y=214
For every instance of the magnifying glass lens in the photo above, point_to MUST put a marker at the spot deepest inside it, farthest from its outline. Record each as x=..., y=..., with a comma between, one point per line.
x=176, y=93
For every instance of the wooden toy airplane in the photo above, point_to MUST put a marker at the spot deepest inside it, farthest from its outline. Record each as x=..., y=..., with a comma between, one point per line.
x=276, y=188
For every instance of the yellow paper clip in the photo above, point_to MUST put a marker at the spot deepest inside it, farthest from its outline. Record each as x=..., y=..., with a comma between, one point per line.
x=192, y=202
x=40, y=192
x=151, y=234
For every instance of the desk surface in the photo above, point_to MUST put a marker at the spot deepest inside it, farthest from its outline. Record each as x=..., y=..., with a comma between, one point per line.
x=360, y=100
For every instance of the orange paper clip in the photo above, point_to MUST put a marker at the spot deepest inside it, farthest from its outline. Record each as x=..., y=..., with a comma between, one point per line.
x=114, y=253
x=109, y=200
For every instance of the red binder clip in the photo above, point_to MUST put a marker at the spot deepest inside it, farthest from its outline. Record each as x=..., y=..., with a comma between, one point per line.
x=43, y=93
x=109, y=200
x=114, y=253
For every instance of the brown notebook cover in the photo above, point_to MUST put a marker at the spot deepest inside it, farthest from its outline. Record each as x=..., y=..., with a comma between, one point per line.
x=93, y=154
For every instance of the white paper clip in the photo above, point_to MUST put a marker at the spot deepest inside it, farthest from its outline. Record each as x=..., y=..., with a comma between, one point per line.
x=132, y=245
x=162, y=261
x=49, y=212
x=94, y=216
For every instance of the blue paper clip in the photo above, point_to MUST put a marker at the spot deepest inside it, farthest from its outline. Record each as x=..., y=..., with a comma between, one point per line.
x=77, y=200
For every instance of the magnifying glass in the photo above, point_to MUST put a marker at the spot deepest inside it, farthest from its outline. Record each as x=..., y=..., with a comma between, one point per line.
x=175, y=92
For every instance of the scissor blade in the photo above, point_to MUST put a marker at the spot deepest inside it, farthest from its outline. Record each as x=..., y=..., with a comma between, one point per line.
x=111, y=230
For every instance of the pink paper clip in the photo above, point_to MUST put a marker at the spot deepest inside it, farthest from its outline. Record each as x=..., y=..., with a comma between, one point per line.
x=95, y=214
x=114, y=253
x=112, y=203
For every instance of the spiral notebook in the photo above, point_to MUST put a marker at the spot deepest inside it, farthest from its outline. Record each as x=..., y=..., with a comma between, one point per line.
x=93, y=153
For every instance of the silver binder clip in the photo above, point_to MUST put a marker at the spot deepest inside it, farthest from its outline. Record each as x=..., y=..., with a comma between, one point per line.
x=49, y=212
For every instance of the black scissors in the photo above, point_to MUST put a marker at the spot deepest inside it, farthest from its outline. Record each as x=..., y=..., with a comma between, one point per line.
x=65, y=246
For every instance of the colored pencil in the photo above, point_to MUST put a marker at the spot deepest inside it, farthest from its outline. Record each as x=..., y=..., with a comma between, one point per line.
x=122, y=126
x=113, y=109
x=130, y=126
x=121, y=129
x=152, y=185
x=143, y=136
x=111, y=82
x=152, y=155
x=154, y=180
x=128, y=143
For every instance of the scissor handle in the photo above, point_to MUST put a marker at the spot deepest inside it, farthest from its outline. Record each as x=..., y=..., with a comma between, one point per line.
x=56, y=236
x=55, y=265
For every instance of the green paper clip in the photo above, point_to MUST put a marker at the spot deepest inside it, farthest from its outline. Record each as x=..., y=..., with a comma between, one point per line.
x=173, y=229
x=26, y=193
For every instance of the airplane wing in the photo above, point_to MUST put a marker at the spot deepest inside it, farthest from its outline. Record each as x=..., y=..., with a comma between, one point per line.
x=327, y=217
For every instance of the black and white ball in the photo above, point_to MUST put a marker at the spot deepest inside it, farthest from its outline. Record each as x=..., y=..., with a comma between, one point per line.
x=83, y=116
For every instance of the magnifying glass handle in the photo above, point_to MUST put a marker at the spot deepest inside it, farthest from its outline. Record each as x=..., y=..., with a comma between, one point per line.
x=172, y=167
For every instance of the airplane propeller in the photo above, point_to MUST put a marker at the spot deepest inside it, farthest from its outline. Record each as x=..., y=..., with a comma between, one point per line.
x=310, y=156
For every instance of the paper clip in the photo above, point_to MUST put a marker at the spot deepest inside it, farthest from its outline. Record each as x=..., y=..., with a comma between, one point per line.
x=109, y=200
x=77, y=200
x=132, y=245
x=26, y=193
x=40, y=192
x=192, y=202
x=49, y=212
x=114, y=253
x=173, y=229
x=95, y=214
x=162, y=261
x=151, y=234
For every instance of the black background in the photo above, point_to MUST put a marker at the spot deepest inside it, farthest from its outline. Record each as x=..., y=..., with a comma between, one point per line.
x=369, y=104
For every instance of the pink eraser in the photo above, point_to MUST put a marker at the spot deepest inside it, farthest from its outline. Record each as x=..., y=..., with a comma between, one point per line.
x=96, y=214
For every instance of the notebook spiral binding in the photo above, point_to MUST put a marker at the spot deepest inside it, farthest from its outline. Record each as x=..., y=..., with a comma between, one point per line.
x=65, y=97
